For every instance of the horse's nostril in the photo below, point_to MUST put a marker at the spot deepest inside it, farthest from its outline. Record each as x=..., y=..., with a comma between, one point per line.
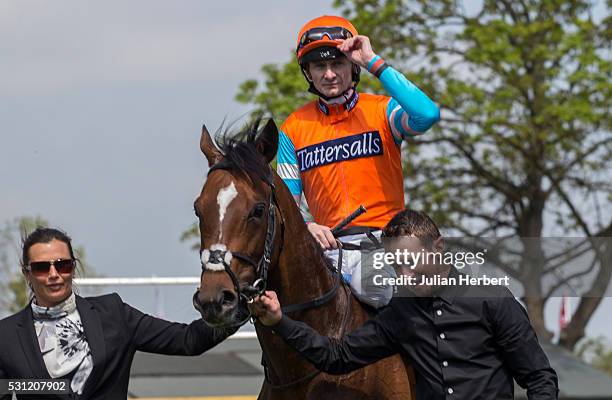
x=228, y=297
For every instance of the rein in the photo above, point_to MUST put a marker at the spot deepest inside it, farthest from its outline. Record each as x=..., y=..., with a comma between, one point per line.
x=217, y=256
x=307, y=378
x=249, y=292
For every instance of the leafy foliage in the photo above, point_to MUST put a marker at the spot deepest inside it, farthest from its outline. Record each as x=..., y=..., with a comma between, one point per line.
x=524, y=145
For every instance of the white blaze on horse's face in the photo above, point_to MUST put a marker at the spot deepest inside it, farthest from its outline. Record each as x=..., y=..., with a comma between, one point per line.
x=224, y=198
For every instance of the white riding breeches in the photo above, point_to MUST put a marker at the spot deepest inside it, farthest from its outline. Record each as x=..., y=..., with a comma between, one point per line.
x=361, y=279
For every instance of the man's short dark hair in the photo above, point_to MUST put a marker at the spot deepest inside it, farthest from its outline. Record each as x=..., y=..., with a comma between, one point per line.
x=412, y=223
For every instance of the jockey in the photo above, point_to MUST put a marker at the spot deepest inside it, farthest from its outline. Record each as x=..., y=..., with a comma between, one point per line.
x=343, y=150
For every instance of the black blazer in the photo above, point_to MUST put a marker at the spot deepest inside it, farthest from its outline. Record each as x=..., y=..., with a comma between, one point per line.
x=114, y=331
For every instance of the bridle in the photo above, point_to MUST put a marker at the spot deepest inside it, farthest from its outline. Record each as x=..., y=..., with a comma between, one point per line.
x=249, y=292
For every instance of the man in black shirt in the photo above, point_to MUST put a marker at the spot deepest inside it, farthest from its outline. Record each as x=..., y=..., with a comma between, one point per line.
x=464, y=341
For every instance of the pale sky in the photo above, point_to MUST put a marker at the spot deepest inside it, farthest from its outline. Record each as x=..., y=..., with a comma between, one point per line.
x=101, y=108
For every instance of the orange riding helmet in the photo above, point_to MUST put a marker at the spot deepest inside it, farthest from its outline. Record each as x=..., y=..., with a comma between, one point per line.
x=324, y=33
x=326, y=30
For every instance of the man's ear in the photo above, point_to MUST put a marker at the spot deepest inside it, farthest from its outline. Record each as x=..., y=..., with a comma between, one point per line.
x=355, y=72
x=267, y=141
x=306, y=70
x=438, y=245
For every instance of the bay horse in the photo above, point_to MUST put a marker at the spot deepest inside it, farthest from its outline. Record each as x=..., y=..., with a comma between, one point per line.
x=253, y=237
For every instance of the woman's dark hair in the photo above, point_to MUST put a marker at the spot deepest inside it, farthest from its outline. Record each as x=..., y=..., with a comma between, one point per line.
x=44, y=235
x=412, y=223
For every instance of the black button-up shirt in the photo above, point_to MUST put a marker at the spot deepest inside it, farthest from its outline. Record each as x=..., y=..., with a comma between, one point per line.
x=467, y=342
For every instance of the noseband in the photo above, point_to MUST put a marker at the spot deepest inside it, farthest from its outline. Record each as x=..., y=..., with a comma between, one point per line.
x=222, y=256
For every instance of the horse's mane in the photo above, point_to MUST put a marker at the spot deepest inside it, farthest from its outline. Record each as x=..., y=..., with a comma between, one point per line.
x=240, y=153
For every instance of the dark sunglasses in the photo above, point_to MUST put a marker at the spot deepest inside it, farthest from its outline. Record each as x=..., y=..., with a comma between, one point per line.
x=332, y=32
x=43, y=267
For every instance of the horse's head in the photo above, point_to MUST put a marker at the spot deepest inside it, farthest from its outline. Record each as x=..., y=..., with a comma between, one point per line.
x=239, y=223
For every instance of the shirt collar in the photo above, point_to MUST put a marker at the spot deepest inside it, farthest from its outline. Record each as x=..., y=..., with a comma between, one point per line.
x=449, y=292
x=339, y=105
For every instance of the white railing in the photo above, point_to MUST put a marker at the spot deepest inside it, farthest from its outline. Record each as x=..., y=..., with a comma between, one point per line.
x=154, y=281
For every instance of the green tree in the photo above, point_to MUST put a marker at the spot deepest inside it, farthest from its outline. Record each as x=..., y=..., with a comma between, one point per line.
x=14, y=293
x=523, y=148
x=285, y=90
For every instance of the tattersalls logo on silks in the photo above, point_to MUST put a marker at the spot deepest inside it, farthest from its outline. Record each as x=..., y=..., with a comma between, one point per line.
x=364, y=144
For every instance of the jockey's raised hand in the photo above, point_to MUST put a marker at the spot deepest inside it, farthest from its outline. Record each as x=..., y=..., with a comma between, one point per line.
x=358, y=50
x=324, y=235
x=267, y=308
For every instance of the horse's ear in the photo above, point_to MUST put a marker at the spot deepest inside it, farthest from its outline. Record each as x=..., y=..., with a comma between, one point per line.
x=267, y=141
x=213, y=155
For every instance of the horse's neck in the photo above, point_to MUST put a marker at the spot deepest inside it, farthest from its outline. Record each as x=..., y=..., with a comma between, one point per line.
x=301, y=273
x=302, y=270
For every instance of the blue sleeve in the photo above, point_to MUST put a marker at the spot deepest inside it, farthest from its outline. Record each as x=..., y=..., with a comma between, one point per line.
x=409, y=112
x=287, y=166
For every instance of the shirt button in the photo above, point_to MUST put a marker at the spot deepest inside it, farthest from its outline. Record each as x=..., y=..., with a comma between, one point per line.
x=450, y=390
x=445, y=363
x=439, y=312
x=442, y=336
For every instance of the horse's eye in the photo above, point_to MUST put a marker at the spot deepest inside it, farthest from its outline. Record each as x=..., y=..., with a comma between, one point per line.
x=258, y=211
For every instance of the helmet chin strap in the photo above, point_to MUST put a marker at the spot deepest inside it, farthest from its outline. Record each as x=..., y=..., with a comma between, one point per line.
x=312, y=89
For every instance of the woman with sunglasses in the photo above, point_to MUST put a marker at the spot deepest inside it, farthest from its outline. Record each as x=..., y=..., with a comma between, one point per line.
x=90, y=342
x=343, y=149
